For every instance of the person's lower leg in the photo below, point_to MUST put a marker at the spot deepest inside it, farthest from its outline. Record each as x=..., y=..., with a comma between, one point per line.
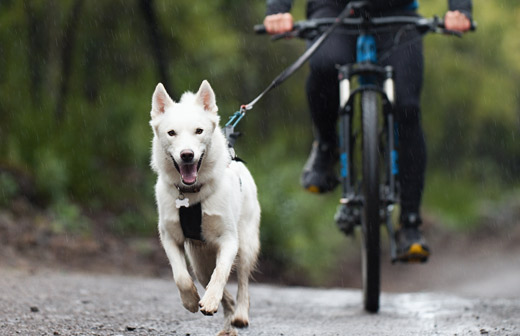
x=412, y=160
x=411, y=244
x=319, y=172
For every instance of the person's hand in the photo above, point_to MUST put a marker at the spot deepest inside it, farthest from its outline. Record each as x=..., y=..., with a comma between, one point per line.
x=278, y=23
x=455, y=20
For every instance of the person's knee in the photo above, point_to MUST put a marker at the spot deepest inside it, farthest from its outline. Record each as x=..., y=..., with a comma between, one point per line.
x=323, y=72
x=322, y=82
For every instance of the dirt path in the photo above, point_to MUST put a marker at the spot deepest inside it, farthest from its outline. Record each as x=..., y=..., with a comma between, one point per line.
x=459, y=292
x=58, y=303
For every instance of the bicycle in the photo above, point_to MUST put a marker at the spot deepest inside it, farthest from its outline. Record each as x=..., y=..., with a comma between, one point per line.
x=369, y=194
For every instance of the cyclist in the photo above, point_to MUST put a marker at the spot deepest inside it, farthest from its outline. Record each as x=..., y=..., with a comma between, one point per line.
x=322, y=90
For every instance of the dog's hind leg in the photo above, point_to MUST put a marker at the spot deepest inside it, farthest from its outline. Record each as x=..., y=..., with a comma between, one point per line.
x=228, y=332
x=246, y=263
x=229, y=309
x=229, y=304
x=241, y=316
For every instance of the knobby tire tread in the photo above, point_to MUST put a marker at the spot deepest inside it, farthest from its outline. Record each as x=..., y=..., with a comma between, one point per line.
x=371, y=255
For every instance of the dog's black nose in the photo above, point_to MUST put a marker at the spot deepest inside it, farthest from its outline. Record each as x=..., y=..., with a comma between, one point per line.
x=187, y=155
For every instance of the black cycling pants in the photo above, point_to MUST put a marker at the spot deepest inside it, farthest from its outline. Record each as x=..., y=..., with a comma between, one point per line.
x=407, y=61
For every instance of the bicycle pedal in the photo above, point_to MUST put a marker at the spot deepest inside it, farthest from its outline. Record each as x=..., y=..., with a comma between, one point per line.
x=346, y=228
x=347, y=219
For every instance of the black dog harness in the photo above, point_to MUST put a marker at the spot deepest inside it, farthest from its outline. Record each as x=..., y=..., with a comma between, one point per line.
x=191, y=221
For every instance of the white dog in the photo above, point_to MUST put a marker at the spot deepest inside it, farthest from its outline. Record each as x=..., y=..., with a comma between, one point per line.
x=207, y=204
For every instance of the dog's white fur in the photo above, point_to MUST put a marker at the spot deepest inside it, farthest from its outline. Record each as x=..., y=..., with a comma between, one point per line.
x=228, y=194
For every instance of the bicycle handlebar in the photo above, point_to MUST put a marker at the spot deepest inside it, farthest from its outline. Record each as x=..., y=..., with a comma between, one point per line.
x=310, y=28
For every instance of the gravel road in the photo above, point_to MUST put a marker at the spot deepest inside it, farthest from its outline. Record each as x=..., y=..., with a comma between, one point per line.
x=47, y=302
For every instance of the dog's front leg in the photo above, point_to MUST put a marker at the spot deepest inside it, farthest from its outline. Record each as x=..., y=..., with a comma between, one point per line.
x=175, y=252
x=227, y=251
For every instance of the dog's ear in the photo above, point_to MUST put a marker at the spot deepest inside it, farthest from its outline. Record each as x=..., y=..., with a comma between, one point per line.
x=206, y=97
x=160, y=101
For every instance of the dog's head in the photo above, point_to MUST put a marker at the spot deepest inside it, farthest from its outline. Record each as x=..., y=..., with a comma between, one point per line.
x=184, y=129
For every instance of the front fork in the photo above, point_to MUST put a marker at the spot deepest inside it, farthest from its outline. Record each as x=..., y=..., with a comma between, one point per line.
x=391, y=194
x=348, y=213
x=350, y=198
x=345, y=136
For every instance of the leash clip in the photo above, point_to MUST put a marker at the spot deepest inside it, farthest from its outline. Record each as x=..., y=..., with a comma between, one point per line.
x=229, y=128
x=244, y=108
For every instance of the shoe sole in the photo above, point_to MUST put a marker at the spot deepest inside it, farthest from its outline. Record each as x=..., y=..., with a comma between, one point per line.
x=317, y=190
x=313, y=189
x=415, y=254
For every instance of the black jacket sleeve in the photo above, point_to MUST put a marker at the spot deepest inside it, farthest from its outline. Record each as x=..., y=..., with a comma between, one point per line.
x=463, y=6
x=278, y=6
x=384, y=5
x=284, y=6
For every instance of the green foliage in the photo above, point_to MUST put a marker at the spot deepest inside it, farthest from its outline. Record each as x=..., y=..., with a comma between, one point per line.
x=457, y=199
x=8, y=188
x=67, y=218
x=132, y=222
x=94, y=154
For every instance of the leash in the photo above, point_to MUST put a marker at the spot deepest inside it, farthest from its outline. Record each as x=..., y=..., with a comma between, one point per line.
x=229, y=128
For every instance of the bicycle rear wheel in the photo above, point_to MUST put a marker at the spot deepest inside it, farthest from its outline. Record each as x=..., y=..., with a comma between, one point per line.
x=371, y=255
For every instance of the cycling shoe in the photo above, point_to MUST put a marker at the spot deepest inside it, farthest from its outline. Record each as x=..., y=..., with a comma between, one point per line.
x=411, y=245
x=319, y=175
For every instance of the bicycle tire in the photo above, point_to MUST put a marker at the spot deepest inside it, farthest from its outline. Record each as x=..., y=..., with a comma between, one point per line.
x=371, y=254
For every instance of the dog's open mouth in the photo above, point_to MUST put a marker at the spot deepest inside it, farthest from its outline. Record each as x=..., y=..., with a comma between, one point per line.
x=189, y=171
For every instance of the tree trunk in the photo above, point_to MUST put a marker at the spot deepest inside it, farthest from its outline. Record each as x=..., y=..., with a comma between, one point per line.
x=38, y=52
x=67, y=51
x=156, y=42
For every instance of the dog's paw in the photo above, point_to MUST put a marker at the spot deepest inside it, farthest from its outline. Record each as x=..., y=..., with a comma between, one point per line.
x=240, y=318
x=209, y=304
x=240, y=322
x=228, y=332
x=190, y=299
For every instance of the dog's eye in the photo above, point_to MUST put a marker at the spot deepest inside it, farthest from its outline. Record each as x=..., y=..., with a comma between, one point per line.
x=199, y=131
x=172, y=133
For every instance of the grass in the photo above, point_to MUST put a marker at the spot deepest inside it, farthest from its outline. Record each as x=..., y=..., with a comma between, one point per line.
x=457, y=199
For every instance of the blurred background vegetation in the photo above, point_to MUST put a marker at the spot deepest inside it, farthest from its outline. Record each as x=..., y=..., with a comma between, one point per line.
x=77, y=76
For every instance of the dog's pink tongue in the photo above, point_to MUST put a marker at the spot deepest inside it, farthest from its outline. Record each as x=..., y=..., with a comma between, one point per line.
x=188, y=173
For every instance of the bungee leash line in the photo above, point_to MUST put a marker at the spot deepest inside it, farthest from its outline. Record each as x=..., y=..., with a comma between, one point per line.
x=234, y=119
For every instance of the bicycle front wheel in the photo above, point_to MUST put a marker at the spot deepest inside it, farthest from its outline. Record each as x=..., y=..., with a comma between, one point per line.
x=371, y=254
